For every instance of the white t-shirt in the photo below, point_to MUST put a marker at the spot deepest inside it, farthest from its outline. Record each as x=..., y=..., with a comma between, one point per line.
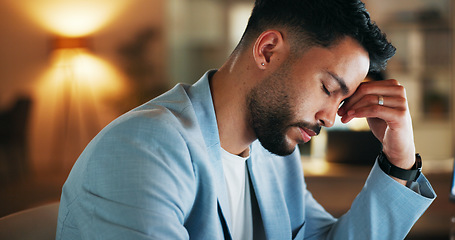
x=238, y=188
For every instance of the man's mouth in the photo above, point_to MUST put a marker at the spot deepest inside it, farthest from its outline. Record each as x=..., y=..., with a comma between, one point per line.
x=307, y=134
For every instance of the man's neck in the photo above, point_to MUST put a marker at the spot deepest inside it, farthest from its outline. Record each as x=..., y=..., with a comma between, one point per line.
x=230, y=86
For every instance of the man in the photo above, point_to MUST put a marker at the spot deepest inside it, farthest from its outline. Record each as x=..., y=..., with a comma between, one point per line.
x=218, y=159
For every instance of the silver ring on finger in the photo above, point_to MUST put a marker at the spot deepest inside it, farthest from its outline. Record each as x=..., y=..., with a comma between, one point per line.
x=380, y=100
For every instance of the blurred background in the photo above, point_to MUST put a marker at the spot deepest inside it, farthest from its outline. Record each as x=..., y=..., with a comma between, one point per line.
x=68, y=68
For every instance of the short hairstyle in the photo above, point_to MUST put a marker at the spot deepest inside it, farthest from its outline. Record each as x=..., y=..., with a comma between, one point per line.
x=321, y=23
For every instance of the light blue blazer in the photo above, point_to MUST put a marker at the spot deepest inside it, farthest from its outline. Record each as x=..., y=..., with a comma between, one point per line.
x=156, y=173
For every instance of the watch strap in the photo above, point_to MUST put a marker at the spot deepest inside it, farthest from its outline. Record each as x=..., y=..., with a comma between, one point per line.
x=403, y=174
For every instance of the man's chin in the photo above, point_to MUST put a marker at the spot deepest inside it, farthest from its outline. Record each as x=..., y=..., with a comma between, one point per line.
x=282, y=150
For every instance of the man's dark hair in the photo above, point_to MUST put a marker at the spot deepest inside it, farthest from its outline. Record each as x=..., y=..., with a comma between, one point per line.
x=321, y=23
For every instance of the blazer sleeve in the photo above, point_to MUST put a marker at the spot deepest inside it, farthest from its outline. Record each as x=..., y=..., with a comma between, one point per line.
x=138, y=181
x=384, y=209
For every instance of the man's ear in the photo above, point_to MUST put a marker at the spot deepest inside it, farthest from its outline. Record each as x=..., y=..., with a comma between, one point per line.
x=268, y=48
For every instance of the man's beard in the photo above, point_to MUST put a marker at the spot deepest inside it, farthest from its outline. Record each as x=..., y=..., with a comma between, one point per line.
x=271, y=113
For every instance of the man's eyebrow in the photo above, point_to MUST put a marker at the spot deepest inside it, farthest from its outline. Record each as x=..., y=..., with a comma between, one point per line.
x=341, y=82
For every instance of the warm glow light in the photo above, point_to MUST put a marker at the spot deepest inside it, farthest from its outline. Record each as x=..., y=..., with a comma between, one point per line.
x=80, y=68
x=75, y=98
x=356, y=124
x=316, y=167
x=72, y=18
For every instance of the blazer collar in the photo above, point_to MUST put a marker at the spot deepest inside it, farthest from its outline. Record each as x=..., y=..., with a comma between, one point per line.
x=202, y=102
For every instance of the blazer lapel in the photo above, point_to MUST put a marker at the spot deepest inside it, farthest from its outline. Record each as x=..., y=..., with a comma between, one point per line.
x=270, y=200
x=201, y=99
x=223, y=202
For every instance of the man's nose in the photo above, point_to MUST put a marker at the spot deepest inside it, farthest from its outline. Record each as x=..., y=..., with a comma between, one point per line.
x=326, y=116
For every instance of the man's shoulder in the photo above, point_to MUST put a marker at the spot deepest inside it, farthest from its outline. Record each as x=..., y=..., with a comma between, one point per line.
x=168, y=111
x=140, y=138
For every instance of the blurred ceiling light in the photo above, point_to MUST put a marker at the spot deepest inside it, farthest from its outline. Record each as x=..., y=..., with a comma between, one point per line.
x=72, y=18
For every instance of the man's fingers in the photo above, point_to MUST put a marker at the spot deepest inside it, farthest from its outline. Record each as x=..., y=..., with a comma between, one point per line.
x=399, y=103
x=392, y=116
x=370, y=92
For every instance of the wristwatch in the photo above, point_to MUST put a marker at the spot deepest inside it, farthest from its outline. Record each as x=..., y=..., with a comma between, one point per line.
x=403, y=174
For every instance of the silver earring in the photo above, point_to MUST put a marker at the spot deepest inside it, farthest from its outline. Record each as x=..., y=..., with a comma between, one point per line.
x=263, y=64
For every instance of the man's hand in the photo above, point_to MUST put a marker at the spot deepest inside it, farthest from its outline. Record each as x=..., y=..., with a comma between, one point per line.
x=391, y=123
